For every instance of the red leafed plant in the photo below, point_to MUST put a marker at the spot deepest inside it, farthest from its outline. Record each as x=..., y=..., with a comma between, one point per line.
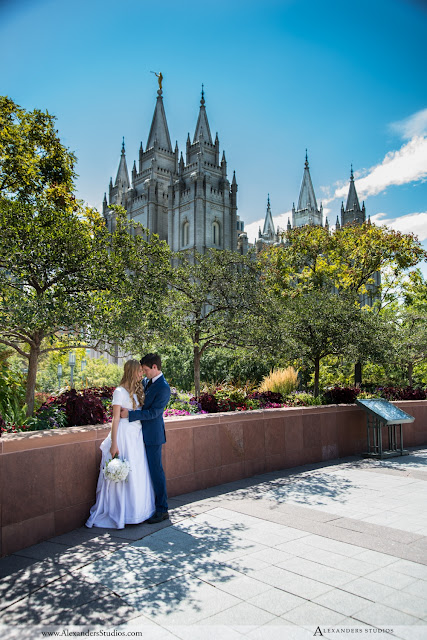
x=341, y=395
x=81, y=407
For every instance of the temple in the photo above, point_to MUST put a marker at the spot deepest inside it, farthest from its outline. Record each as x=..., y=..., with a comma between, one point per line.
x=190, y=203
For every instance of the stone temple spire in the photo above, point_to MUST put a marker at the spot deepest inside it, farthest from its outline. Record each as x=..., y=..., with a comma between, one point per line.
x=268, y=229
x=268, y=236
x=352, y=212
x=307, y=198
x=307, y=211
x=202, y=126
x=122, y=178
x=159, y=132
x=352, y=199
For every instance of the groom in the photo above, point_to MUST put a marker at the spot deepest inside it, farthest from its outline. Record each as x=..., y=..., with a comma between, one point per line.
x=157, y=394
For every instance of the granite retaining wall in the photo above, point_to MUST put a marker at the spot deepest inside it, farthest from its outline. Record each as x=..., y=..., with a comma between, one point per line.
x=48, y=478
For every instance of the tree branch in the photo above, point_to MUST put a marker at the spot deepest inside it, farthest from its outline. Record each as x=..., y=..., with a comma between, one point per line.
x=14, y=346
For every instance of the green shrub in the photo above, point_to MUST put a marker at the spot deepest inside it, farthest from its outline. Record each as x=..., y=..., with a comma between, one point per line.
x=302, y=399
x=12, y=391
x=177, y=364
x=13, y=411
x=230, y=393
x=368, y=395
x=48, y=417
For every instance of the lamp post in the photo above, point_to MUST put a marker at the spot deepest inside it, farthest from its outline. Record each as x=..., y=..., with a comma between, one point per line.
x=59, y=374
x=72, y=363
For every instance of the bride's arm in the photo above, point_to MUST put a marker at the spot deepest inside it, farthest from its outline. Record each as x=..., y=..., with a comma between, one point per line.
x=114, y=428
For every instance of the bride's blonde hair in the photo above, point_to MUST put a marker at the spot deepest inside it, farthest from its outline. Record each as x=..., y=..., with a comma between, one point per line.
x=131, y=383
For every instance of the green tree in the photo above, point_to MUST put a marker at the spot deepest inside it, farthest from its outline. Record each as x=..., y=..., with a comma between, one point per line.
x=411, y=340
x=64, y=275
x=347, y=260
x=315, y=324
x=409, y=318
x=316, y=280
x=33, y=161
x=212, y=298
x=98, y=372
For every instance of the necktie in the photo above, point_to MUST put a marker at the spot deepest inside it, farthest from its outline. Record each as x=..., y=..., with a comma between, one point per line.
x=149, y=383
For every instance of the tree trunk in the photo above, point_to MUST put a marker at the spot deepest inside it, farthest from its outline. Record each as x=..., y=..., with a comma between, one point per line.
x=31, y=378
x=197, y=358
x=410, y=372
x=358, y=374
x=316, y=376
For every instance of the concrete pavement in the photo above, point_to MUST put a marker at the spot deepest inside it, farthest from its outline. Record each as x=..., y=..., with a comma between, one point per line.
x=338, y=548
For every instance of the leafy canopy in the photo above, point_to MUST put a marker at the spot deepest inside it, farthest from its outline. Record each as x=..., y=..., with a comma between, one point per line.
x=346, y=260
x=33, y=161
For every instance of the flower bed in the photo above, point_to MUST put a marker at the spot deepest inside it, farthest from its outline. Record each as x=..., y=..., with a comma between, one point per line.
x=347, y=395
x=70, y=408
x=93, y=406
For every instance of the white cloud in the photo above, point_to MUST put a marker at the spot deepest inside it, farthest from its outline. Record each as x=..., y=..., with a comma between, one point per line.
x=252, y=229
x=408, y=164
x=413, y=126
x=402, y=166
x=410, y=223
x=279, y=221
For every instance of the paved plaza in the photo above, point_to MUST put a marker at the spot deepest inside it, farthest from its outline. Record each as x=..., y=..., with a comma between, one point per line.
x=325, y=550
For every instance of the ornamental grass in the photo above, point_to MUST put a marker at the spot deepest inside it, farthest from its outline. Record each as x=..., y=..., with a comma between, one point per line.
x=282, y=381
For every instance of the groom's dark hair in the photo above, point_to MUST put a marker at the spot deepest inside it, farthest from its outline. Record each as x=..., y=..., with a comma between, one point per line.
x=152, y=358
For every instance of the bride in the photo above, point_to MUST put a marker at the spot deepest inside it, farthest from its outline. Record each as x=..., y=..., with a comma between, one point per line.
x=132, y=501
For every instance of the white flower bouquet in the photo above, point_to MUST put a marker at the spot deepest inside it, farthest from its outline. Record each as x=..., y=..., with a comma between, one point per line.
x=116, y=470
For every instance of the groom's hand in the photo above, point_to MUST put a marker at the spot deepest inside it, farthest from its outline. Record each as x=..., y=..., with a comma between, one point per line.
x=124, y=413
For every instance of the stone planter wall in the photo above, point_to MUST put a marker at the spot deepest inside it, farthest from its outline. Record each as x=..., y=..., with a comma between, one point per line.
x=48, y=478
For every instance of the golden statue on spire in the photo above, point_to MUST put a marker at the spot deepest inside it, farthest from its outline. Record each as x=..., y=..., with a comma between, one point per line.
x=159, y=77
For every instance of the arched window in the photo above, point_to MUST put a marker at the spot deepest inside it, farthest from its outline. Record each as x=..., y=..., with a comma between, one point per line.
x=185, y=233
x=216, y=234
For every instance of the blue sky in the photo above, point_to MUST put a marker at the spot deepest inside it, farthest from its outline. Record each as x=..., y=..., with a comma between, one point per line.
x=347, y=81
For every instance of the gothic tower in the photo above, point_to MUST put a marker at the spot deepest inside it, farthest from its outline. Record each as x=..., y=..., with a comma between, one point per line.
x=307, y=211
x=191, y=203
x=118, y=194
x=202, y=203
x=352, y=213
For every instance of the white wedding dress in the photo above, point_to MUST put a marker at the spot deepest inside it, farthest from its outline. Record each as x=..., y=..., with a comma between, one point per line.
x=132, y=501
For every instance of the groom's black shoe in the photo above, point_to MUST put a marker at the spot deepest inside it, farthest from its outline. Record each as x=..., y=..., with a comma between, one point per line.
x=159, y=516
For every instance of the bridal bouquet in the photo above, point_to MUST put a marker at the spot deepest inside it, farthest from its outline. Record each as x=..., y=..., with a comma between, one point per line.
x=116, y=470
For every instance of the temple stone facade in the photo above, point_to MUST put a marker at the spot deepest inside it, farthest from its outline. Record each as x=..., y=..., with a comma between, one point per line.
x=190, y=203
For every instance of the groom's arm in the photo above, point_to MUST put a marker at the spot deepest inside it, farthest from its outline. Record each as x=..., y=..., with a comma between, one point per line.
x=155, y=409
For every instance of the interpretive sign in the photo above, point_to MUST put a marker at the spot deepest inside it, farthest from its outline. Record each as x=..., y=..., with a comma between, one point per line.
x=381, y=413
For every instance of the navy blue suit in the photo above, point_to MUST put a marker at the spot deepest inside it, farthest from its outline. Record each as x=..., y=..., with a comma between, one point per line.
x=153, y=430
